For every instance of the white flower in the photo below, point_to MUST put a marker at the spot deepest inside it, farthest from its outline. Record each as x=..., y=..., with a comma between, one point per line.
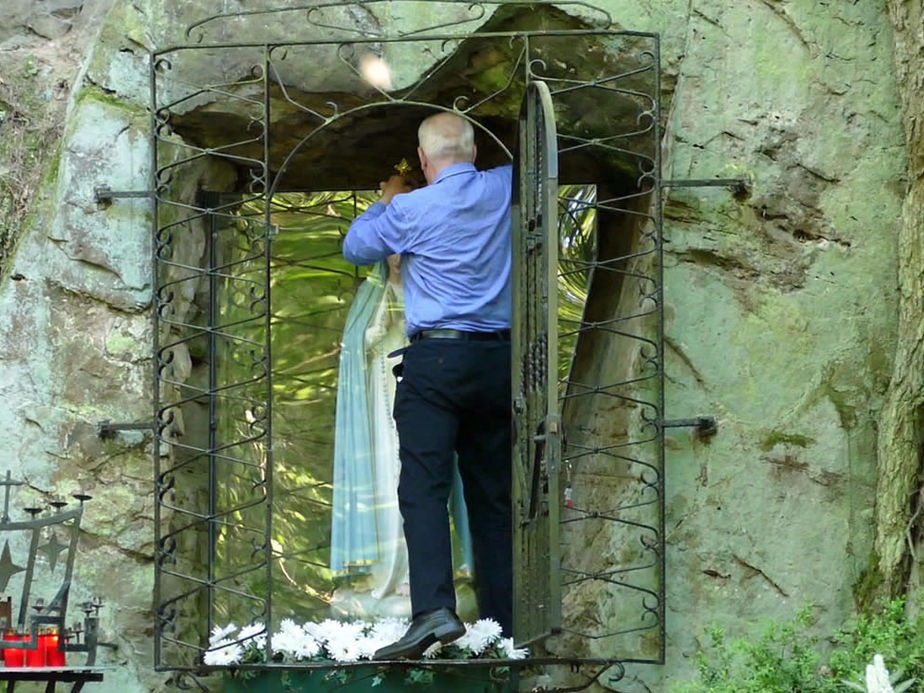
x=344, y=650
x=289, y=628
x=219, y=633
x=254, y=634
x=306, y=647
x=479, y=636
x=344, y=641
x=433, y=651
x=511, y=652
x=382, y=633
x=223, y=653
x=877, y=676
x=321, y=631
x=294, y=641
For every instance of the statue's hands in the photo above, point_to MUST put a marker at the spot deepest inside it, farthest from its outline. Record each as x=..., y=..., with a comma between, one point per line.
x=395, y=185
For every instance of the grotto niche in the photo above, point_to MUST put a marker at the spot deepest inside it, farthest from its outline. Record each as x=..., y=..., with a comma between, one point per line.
x=265, y=152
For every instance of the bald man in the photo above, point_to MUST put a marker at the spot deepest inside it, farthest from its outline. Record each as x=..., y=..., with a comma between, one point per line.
x=453, y=393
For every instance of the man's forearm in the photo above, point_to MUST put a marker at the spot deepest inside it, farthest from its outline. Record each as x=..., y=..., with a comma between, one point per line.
x=362, y=245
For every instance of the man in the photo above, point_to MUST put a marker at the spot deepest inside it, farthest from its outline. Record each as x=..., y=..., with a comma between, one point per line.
x=453, y=394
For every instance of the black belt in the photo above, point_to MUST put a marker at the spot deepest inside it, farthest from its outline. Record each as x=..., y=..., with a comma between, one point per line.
x=498, y=336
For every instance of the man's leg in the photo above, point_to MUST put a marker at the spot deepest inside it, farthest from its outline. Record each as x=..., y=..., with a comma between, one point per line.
x=484, y=447
x=427, y=431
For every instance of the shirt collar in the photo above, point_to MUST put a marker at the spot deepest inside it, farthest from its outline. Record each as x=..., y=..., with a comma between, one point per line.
x=454, y=170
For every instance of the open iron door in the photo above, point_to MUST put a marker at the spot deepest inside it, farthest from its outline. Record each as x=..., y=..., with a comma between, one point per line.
x=537, y=427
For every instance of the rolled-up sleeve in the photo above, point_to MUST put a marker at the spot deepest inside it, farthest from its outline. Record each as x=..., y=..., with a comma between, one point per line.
x=375, y=234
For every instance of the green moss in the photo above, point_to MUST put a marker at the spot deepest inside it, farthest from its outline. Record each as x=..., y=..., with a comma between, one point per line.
x=777, y=437
x=94, y=93
x=866, y=589
x=53, y=164
x=118, y=343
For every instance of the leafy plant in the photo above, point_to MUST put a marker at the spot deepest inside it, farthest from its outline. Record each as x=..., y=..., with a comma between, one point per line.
x=783, y=659
x=890, y=633
x=788, y=657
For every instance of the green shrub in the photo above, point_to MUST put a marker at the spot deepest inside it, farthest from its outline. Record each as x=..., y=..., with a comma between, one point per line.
x=891, y=633
x=787, y=658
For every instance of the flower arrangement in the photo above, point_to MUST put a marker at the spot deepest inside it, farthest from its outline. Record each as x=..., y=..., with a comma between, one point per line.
x=342, y=641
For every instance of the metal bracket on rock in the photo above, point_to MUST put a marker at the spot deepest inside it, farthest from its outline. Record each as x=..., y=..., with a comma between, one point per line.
x=107, y=429
x=740, y=187
x=104, y=196
x=704, y=425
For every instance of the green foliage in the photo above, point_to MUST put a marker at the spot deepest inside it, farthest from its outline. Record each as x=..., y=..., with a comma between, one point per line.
x=891, y=633
x=312, y=290
x=783, y=659
x=577, y=251
x=787, y=657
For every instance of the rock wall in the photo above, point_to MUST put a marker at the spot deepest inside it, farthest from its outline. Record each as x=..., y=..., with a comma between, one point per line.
x=781, y=307
x=780, y=316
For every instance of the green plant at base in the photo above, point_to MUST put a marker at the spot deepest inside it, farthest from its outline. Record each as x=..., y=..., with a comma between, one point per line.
x=787, y=658
x=783, y=659
x=899, y=639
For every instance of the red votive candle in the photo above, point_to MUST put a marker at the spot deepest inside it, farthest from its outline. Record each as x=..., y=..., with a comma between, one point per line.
x=14, y=658
x=54, y=657
x=35, y=658
x=43, y=644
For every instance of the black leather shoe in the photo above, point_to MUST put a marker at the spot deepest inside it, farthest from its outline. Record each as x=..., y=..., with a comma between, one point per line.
x=441, y=625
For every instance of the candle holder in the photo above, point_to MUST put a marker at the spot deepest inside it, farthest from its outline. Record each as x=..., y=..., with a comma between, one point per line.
x=38, y=637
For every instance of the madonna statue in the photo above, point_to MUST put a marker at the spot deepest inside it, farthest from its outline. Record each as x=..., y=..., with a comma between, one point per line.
x=368, y=554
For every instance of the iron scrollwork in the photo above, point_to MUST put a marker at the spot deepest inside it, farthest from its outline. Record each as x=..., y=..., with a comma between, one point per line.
x=606, y=224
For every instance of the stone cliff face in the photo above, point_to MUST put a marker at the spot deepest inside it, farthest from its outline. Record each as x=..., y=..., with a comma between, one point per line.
x=781, y=306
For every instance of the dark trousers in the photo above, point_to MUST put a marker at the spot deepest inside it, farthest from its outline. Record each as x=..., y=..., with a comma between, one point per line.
x=454, y=396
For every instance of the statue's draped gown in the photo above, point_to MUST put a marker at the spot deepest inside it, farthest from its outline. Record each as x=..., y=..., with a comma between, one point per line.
x=367, y=539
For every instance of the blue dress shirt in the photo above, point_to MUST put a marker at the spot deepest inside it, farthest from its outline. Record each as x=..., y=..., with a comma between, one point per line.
x=454, y=239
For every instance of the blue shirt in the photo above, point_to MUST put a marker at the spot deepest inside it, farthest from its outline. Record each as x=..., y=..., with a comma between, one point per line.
x=454, y=239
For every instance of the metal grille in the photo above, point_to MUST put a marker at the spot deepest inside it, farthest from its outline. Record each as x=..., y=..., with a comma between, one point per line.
x=214, y=270
x=537, y=443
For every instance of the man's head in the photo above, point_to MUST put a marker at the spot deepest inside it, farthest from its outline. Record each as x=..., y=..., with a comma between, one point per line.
x=444, y=139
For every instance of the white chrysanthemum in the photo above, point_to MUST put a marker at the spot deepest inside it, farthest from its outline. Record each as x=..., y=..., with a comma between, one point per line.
x=293, y=641
x=343, y=641
x=289, y=628
x=343, y=650
x=390, y=629
x=367, y=645
x=321, y=631
x=219, y=633
x=254, y=634
x=479, y=636
x=306, y=647
x=511, y=652
x=382, y=633
x=433, y=651
x=222, y=653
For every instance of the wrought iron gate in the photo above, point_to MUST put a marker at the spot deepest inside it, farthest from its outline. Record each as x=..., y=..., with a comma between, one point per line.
x=537, y=443
x=589, y=403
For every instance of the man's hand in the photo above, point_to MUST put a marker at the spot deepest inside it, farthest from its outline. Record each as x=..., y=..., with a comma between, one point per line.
x=395, y=185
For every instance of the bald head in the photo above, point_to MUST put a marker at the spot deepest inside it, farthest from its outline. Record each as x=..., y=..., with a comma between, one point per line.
x=444, y=139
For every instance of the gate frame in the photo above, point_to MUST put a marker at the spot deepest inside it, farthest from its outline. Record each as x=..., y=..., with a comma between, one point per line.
x=161, y=179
